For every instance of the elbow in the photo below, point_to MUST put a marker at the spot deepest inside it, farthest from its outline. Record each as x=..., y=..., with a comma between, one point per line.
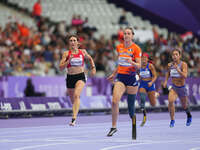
x=184, y=76
x=156, y=77
x=61, y=67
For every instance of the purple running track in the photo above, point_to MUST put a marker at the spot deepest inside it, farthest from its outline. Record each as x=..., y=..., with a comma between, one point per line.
x=90, y=133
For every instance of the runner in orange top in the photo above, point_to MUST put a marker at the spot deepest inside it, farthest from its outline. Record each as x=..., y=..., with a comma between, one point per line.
x=129, y=60
x=132, y=52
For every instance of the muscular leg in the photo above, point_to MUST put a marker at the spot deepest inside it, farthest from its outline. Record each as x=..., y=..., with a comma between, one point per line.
x=171, y=98
x=76, y=97
x=185, y=104
x=152, y=98
x=118, y=91
x=71, y=94
x=186, y=107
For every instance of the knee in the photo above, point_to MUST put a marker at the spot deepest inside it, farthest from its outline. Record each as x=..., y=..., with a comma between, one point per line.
x=114, y=103
x=76, y=96
x=171, y=103
x=184, y=106
x=153, y=103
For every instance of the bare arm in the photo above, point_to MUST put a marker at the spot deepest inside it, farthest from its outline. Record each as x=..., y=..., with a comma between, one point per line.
x=64, y=62
x=137, y=63
x=184, y=70
x=112, y=76
x=167, y=76
x=115, y=71
x=153, y=70
x=91, y=61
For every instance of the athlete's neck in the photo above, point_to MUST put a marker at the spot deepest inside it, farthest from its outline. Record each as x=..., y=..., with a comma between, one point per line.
x=144, y=65
x=127, y=43
x=177, y=62
x=74, y=51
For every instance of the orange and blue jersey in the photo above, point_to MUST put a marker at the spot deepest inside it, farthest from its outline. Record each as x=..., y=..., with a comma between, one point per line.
x=124, y=67
x=126, y=72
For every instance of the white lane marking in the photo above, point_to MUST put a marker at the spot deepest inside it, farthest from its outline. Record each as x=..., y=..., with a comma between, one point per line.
x=127, y=145
x=79, y=127
x=69, y=142
x=73, y=141
x=38, y=146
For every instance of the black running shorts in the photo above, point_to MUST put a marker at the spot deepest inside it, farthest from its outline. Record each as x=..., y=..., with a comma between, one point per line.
x=72, y=79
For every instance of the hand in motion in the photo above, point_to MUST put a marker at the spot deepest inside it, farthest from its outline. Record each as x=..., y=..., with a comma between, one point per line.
x=111, y=78
x=150, y=84
x=165, y=84
x=129, y=60
x=93, y=71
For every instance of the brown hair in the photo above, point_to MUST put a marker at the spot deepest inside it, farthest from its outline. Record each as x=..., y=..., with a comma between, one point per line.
x=176, y=49
x=73, y=36
x=130, y=28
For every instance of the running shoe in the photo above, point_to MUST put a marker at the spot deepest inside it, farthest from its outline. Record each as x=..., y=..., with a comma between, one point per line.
x=73, y=122
x=172, y=123
x=112, y=131
x=189, y=121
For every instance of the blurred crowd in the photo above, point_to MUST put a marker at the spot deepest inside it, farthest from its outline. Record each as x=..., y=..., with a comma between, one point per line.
x=28, y=51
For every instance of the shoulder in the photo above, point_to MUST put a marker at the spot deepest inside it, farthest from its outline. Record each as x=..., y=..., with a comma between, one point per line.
x=151, y=66
x=184, y=63
x=136, y=46
x=83, y=51
x=137, y=49
x=121, y=45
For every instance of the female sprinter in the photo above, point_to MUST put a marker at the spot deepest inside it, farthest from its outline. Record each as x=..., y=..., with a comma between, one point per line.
x=129, y=59
x=148, y=77
x=73, y=60
x=178, y=71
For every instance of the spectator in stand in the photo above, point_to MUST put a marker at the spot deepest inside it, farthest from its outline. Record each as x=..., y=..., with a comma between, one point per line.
x=37, y=11
x=76, y=20
x=122, y=19
x=120, y=35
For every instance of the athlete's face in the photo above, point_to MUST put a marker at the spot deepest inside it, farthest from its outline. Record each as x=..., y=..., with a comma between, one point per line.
x=73, y=42
x=144, y=60
x=176, y=56
x=128, y=35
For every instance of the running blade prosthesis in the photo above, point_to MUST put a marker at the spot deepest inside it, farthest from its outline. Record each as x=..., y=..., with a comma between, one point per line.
x=134, y=127
x=144, y=121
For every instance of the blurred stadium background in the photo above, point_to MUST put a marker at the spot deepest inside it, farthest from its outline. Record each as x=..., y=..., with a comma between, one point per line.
x=33, y=38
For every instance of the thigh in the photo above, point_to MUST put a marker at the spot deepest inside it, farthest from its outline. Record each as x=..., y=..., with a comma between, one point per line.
x=118, y=91
x=70, y=92
x=172, y=96
x=79, y=87
x=132, y=89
